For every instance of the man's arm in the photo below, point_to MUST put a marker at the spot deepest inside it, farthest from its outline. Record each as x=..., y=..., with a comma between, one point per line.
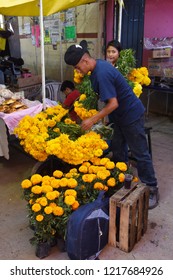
x=109, y=107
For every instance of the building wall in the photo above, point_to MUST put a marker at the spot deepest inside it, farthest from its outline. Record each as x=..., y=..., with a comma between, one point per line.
x=88, y=28
x=158, y=23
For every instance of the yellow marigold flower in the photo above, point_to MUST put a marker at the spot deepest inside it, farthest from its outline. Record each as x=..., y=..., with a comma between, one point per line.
x=36, y=179
x=52, y=204
x=31, y=201
x=63, y=182
x=135, y=179
x=110, y=165
x=88, y=178
x=39, y=218
x=98, y=186
x=105, y=188
x=43, y=201
x=72, y=183
x=51, y=123
x=121, y=166
x=103, y=174
x=69, y=199
x=58, y=211
x=82, y=97
x=71, y=192
x=111, y=182
x=86, y=163
x=58, y=174
x=73, y=170
x=69, y=121
x=55, y=183
x=83, y=169
x=48, y=210
x=51, y=195
x=26, y=184
x=95, y=160
x=56, y=129
x=103, y=161
x=75, y=205
x=36, y=189
x=46, y=178
x=36, y=207
x=47, y=188
x=121, y=177
x=137, y=89
x=56, y=193
x=98, y=153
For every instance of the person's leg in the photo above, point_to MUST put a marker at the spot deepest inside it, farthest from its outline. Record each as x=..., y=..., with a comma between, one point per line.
x=137, y=142
x=119, y=146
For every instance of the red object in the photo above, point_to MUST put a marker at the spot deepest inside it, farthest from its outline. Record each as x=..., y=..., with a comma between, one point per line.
x=69, y=101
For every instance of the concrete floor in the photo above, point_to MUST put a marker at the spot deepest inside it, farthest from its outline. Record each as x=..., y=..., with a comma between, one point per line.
x=156, y=242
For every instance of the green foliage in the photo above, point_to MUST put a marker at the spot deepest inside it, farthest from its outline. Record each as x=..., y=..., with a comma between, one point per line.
x=126, y=62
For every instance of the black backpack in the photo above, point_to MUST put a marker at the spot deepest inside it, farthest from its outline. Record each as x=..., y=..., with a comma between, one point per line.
x=87, y=229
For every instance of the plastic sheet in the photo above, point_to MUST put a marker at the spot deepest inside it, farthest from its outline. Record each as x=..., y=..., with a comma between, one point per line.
x=158, y=43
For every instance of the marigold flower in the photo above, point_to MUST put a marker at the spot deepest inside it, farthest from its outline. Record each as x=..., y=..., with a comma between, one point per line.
x=36, y=179
x=36, y=189
x=98, y=186
x=75, y=205
x=26, y=184
x=72, y=183
x=36, y=207
x=121, y=166
x=121, y=177
x=69, y=199
x=39, y=218
x=111, y=182
x=71, y=192
x=58, y=211
x=48, y=210
x=58, y=174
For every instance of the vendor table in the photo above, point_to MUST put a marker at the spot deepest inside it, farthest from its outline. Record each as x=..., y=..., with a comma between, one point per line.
x=153, y=89
x=9, y=121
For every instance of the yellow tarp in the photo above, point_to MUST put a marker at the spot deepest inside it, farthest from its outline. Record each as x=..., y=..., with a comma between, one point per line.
x=31, y=7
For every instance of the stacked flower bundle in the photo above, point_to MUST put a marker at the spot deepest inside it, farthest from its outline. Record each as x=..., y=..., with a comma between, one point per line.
x=52, y=132
x=52, y=198
x=136, y=77
x=87, y=104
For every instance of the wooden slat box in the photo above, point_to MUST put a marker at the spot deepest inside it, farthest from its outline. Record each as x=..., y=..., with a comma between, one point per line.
x=128, y=216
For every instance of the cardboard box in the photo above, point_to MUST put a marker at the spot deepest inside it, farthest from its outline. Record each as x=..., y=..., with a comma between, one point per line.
x=29, y=81
x=161, y=67
x=161, y=53
x=128, y=216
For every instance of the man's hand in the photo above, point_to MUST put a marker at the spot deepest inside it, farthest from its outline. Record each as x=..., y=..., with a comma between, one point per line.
x=87, y=124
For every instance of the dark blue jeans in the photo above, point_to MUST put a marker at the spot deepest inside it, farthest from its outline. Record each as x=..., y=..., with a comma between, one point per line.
x=134, y=136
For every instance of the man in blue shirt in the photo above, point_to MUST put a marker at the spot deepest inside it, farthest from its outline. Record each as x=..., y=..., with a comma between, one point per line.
x=125, y=109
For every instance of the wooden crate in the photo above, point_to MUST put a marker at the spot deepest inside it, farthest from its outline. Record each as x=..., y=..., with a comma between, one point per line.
x=128, y=216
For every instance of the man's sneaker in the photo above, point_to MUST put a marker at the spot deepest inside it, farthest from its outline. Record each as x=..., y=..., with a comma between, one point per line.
x=153, y=198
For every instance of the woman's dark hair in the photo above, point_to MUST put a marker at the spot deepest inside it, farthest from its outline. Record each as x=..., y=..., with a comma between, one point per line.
x=67, y=84
x=114, y=43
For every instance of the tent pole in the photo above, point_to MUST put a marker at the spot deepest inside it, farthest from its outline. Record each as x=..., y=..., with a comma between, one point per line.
x=42, y=55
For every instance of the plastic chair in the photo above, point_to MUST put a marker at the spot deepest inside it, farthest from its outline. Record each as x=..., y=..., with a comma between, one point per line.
x=53, y=90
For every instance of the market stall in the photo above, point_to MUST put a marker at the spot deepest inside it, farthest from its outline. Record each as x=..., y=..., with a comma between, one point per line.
x=39, y=8
x=13, y=107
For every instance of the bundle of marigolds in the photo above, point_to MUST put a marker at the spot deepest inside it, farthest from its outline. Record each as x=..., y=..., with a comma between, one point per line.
x=52, y=199
x=136, y=77
x=87, y=104
x=52, y=132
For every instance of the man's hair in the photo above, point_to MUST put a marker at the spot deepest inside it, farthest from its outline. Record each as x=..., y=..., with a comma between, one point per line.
x=67, y=84
x=116, y=44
